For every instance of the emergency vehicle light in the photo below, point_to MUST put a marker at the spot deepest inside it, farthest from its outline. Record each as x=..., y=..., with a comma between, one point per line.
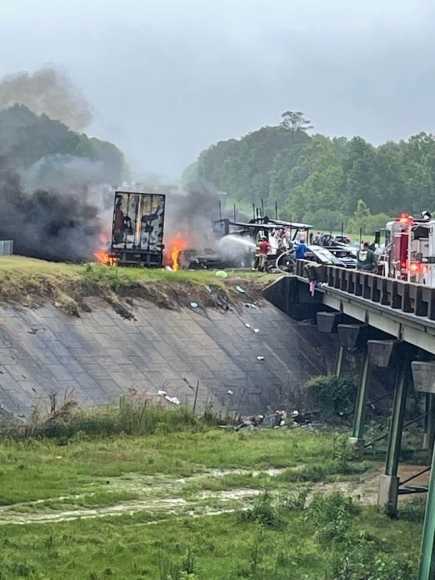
x=405, y=218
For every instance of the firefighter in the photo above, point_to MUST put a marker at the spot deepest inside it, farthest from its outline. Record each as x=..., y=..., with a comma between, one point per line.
x=264, y=249
x=257, y=255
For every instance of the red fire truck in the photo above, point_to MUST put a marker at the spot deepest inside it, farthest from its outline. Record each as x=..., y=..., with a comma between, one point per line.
x=407, y=248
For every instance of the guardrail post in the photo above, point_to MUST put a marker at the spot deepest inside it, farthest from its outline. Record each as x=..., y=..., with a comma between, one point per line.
x=396, y=298
x=389, y=482
x=385, y=299
x=359, y=281
x=352, y=282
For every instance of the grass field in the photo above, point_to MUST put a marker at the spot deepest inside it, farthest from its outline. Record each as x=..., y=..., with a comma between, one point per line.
x=190, y=500
x=30, y=282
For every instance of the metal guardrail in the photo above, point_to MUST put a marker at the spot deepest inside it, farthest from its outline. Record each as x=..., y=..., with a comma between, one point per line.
x=402, y=296
x=6, y=248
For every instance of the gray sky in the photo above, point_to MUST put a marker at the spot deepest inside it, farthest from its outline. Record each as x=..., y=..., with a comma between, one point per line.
x=168, y=78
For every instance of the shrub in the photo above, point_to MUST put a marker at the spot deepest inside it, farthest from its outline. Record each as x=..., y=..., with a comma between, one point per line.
x=364, y=560
x=334, y=396
x=332, y=516
x=263, y=512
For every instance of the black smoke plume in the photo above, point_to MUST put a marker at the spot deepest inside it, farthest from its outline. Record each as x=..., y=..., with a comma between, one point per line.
x=47, y=91
x=47, y=224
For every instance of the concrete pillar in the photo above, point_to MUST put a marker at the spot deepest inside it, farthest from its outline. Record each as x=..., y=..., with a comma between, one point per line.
x=327, y=322
x=426, y=570
x=378, y=354
x=429, y=423
x=339, y=360
x=350, y=336
x=389, y=483
x=357, y=438
x=423, y=374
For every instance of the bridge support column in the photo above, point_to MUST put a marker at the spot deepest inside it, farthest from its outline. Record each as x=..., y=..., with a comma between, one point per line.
x=357, y=438
x=327, y=322
x=424, y=381
x=377, y=354
x=389, y=482
x=426, y=570
x=429, y=424
x=423, y=373
x=350, y=336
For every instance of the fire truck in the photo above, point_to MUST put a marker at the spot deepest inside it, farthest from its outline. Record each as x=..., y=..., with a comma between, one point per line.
x=409, y=245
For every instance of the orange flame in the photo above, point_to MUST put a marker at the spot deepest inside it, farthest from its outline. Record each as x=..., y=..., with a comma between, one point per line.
x=174, y=247
x=102, y=254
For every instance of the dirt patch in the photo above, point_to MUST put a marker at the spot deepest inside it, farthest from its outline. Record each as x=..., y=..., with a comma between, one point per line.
x=161, y=497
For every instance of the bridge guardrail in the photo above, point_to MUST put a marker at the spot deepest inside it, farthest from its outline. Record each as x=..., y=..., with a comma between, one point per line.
x=403, y=296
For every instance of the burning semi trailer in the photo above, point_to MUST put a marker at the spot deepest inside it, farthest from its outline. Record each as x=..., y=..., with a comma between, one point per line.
x=137, y=231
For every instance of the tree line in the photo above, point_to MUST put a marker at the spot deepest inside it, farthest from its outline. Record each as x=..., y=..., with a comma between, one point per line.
x=321, y=180
x=25, y=138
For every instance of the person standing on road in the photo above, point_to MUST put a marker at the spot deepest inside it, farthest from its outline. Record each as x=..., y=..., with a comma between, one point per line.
x=366, y=258
x=301, y=250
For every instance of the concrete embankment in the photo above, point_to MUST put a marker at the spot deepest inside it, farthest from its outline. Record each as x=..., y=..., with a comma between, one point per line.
x=100, y=356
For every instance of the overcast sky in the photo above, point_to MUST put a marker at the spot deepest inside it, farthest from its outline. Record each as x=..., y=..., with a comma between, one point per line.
x=167, y=78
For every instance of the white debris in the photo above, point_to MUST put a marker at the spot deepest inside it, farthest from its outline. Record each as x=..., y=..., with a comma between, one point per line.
x=260, y=357
x=248, y=325
x=164, y=394
x=256, y=330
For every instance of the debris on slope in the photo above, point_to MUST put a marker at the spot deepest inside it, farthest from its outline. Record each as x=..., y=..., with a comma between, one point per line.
x=31, y=283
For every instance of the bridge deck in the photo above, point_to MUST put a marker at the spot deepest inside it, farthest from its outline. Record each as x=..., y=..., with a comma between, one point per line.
x=402, y=309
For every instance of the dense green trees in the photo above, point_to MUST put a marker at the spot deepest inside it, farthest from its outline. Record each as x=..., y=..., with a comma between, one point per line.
x=26, y=138
x=324, y=181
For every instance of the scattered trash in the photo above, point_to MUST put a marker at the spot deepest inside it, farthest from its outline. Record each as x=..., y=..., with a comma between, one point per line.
x=164, y=394
x=249, y=305
x=247, y=425
x=248, y=325
x=240, y=289
x=256, y=330
x=174, y=400
x=221, y=274
x=168, y=269
x=230, y=392
x=220, y=301
x=208, y=289
x=194, y=305
x=260, y=357
x=33, y=330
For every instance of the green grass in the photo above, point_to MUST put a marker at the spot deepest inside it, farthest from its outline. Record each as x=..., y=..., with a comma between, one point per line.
x=225, y=547
x=32, y=470
x=168, y=486
x=31, y=282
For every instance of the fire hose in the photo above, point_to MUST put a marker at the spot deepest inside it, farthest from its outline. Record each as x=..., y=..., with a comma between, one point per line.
x=292, y=262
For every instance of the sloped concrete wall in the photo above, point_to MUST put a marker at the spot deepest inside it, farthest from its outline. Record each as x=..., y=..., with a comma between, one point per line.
x=99, y=357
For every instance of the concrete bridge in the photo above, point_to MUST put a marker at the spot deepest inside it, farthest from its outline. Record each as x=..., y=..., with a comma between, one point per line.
x=393, y=323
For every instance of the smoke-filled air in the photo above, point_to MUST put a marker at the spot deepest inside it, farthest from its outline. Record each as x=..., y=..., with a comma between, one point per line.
x=57, y=186
x=47, y=91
